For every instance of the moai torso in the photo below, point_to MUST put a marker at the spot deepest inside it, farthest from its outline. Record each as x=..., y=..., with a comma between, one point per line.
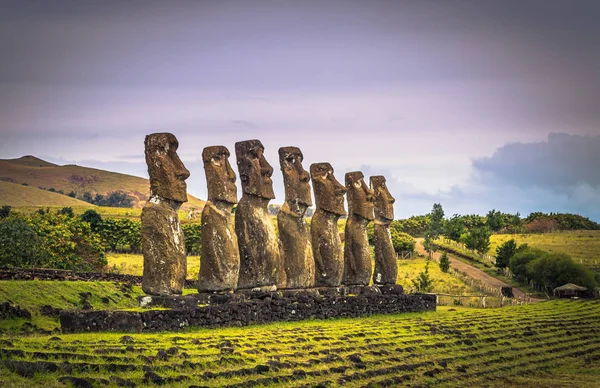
x=386, y=267
x=163, y=243
x=220, y=258
x=294, y=234
x=357, y=256
x=326, y=243
x=260, y=261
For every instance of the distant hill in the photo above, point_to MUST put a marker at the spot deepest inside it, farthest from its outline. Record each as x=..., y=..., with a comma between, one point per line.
x=13, y=194
x=37, y=173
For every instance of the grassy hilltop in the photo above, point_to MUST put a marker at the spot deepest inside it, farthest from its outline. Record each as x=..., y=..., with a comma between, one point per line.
x=38, y=173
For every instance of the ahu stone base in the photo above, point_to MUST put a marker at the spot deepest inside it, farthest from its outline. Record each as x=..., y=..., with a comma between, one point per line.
x=249, y=309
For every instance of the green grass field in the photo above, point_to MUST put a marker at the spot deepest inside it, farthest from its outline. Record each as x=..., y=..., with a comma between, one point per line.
x=582, y=245
x=549, y=344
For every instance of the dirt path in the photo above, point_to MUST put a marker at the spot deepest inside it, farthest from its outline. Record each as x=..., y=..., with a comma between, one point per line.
x=474, y=272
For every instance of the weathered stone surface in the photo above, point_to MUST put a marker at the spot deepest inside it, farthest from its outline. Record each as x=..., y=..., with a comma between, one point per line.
x=386, y=267
x=163, y=242
x=73, y=321
x=357, y=256
x=265, y=308
x=326, y=242
x=220, y=258
x=260, y=261
x=294, y=233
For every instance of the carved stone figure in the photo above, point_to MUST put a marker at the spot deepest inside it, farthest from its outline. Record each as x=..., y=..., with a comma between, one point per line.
x=357, y=257
x=294, y=234
x=326, y=243
x=163, y=244
x=386, y=268
x=220, y=258
x=260, y=262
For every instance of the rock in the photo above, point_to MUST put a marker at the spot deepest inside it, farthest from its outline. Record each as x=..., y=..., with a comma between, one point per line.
x=357, y=254
x=126, y=339
x=220, y=256
x=50, y=311
x=260, y=261
x=325, y=238
x=151, y=377
x=72, y=321
x=163, y=244
x=8, y=311
x=294, y=234
x=76, y=382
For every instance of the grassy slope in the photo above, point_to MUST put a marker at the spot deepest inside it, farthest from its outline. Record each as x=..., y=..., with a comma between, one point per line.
x=18, y=195
x=32, y=295
x=582, y=245
x=38, y=173
x=550, y=344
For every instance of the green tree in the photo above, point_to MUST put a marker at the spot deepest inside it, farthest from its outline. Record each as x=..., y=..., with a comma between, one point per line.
x=72, y=194
x=495, y=220
x=5, y=211
x=444, y=262
x=20, y=246
x=87, y=197
x=67, y=211
x=424, y=282
x=435, y=229
x=518, y=263
x=504, y=252
x=478, y=239
x=93, y=218
x=454, y=228
x=193, y=238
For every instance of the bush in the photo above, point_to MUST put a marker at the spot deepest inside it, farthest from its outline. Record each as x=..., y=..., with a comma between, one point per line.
x=193, y=238
x=93, y=218
x=5, y=211
x=19, y=244
x=51, y=241
x=121, y=234
x=424, y=283
x=402, y=242
x=556, y=269
x=506, y=251
x=518, y=263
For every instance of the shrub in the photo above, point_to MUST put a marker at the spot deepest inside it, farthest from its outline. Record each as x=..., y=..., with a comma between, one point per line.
x=93, y=218
x=5, y=211
x=424, y=283
x=518, y=263
x=19, y=244
x=506, y=251
x=193, y=238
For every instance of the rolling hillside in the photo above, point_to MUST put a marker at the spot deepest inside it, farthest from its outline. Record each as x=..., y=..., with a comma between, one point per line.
x=17, y=195
x=37, y=173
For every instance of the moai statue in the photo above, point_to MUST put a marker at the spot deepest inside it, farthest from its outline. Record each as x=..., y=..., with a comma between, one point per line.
x=386, y=268
x=326, y=243
x=220, y=258
x=357, y=256
x=260, y=262
x=294, y=235
x=163, y=244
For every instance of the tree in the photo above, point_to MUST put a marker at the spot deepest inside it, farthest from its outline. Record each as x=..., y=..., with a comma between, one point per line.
x=435, y=229
x=67, y=211
x=5, y=211
x=504, y=252
x=72, y=194
x=495, y=220
x=478, y=240
x=444, y=262
x=454, y=228
x=87, y=197
x=93, y=218
x=424, y=283
x=19, y=244
x=518, y=263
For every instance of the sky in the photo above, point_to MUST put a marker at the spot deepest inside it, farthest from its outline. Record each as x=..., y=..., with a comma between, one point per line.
x=473, y=104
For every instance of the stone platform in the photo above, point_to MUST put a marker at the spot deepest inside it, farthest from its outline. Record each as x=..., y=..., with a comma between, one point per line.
x=248, y=308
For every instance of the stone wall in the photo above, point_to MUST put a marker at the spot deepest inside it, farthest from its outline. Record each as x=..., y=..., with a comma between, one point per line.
x=271, y=307
x=62, y=275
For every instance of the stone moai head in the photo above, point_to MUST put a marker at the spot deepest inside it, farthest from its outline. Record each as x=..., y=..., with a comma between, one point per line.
x=360, y=197
x=384, y=209
x=295, y=179
x=255, y=171
x=166, y=170
x=329, y=193
x=220, y=177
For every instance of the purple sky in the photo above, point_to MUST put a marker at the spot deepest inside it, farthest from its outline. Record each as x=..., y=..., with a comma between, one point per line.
x=453, y=101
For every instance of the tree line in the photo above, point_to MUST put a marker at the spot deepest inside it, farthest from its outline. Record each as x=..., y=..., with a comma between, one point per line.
x=113, y=199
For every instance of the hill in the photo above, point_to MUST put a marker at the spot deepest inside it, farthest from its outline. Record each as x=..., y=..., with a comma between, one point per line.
x=38, y=173
x=14, y=195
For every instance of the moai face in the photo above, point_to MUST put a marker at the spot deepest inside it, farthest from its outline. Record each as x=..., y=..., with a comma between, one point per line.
x=166, y=170
x=360, y=197
x=329, y=193
x=220, y=177
x=384, y=209
x=295, y=179
x=255, y=171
